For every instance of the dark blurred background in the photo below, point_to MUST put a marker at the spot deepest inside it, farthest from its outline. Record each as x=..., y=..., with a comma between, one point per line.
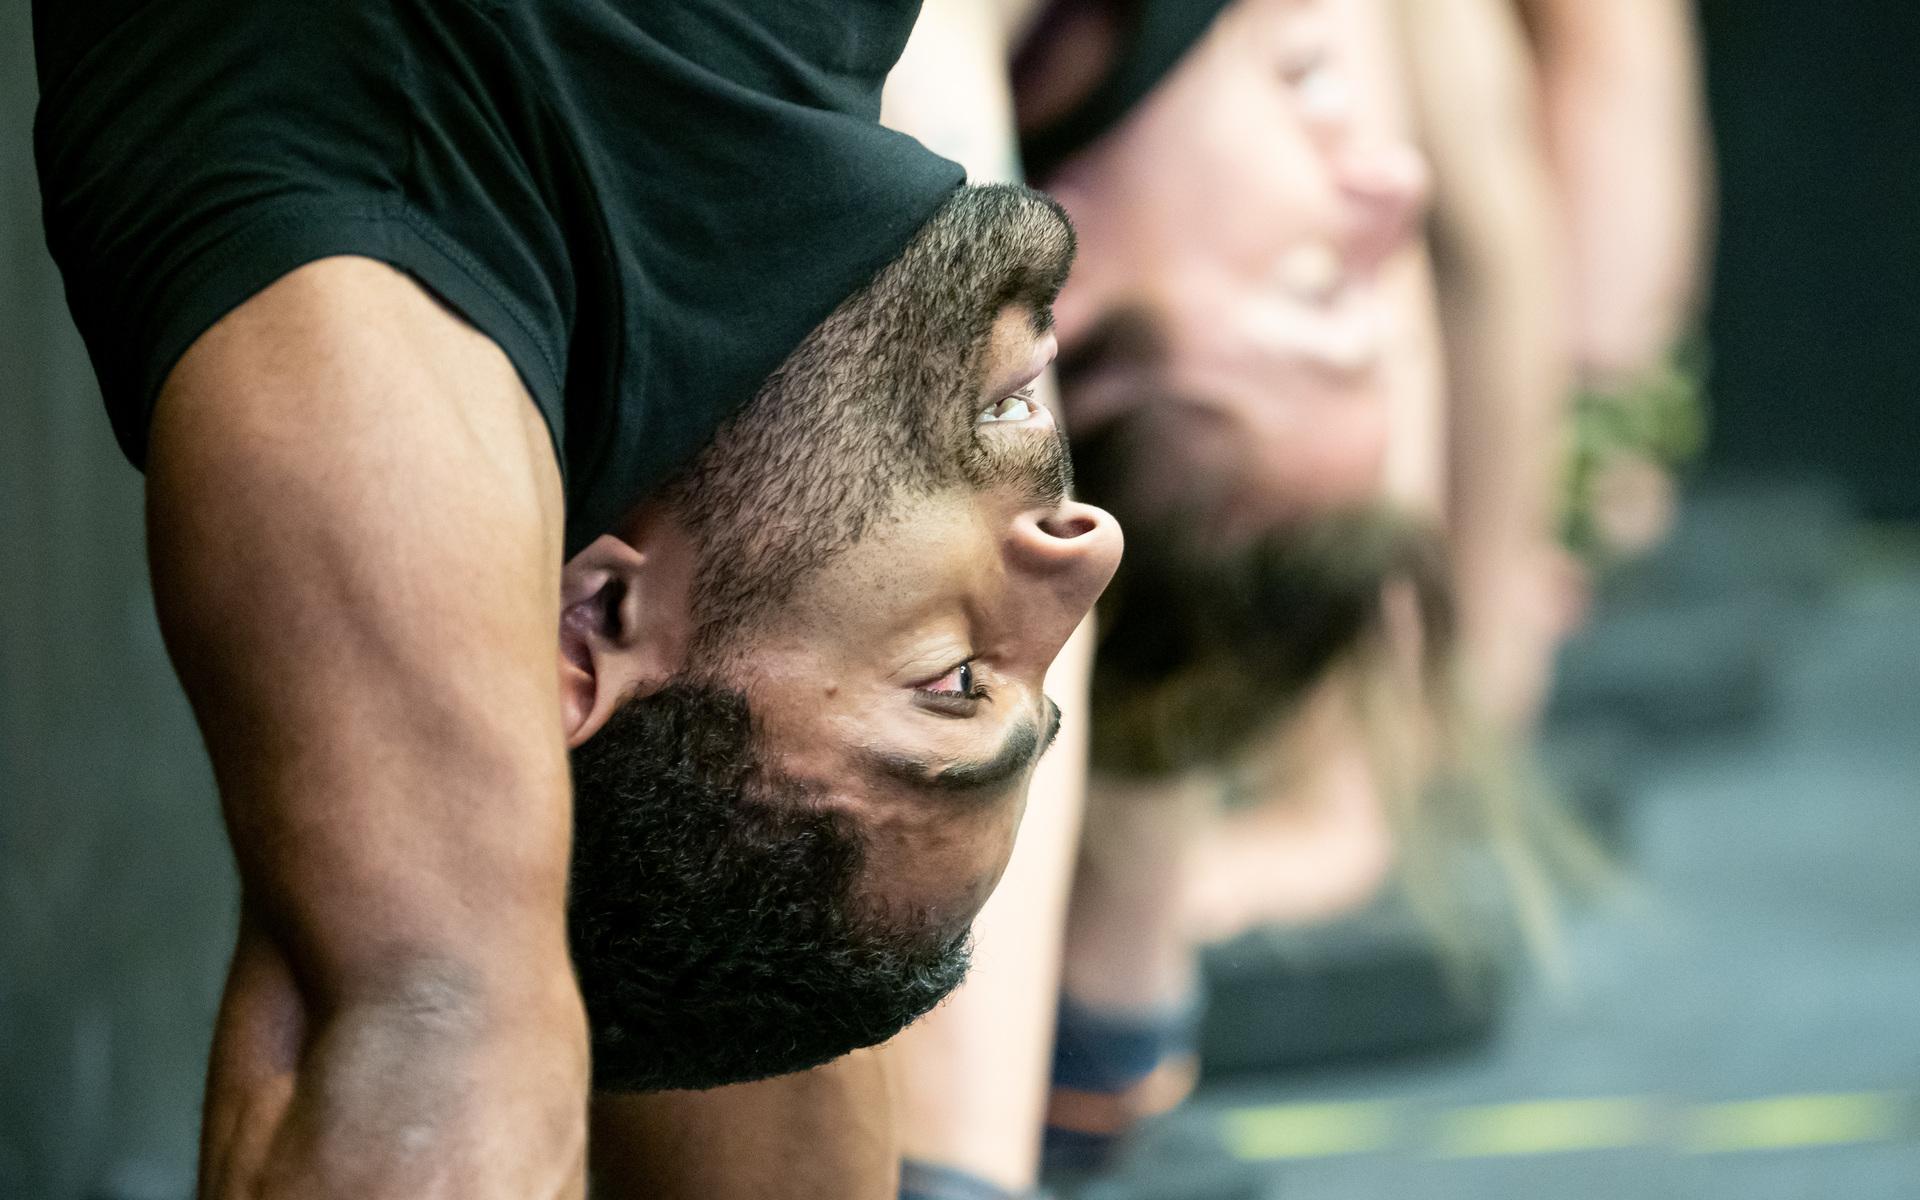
x=1816, y=298
x=117, y=896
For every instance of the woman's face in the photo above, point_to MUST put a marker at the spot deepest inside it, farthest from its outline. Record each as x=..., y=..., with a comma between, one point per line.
x=1225, y=300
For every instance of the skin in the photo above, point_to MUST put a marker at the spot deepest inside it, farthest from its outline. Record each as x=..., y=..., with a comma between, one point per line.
x=1303, y=385
x=1321, y=843
x=820, y=1133
x=400, y=1018
x=1518, y=327
x=970, y=1078
x=859, y=681
x=853, y=684
x=1325, y=845
x=837, y=1130
x=1298, y=428
x=1497, y=241
x=1567, y=141
x=1362, y=42
x=1623, y=110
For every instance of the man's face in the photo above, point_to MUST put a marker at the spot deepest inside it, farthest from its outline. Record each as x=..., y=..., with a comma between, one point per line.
x=1232, y=231
x=887, y=565
x=911, y=670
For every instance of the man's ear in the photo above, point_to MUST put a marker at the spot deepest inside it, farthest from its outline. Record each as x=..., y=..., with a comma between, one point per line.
x=624, y=624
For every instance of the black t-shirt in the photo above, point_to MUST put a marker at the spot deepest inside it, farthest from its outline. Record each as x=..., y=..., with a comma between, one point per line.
x=646, y=203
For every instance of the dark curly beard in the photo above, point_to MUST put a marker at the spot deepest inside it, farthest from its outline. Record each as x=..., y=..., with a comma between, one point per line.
x=716, y=921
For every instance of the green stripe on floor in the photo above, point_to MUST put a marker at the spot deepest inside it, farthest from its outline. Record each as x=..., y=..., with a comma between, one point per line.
x=1795, y=1122
x=1544, y=1127
x=1295, y=1131
x=1280, y=1132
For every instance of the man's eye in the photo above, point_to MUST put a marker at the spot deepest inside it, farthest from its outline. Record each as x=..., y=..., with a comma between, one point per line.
x=957, y=683
x=1017, y=407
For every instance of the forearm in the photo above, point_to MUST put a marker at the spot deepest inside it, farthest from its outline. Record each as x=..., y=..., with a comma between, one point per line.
x=1624, y=112
x=1496, y=242
x=434, y=1090
x=1508, y=379
x=1498, y=253
x=386, y=1049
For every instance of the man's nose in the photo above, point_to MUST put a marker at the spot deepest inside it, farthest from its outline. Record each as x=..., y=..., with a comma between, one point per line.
x=1387, y=186
x=1071, y=550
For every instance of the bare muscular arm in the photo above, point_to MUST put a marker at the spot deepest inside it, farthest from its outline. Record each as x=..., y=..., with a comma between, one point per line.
x=354, y=523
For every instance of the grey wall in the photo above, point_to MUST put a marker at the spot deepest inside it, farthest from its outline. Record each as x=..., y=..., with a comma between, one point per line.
x=116, y=893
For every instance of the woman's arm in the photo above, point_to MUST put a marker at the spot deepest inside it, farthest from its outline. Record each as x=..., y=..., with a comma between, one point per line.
x=1497, y=250
x=1626, y=135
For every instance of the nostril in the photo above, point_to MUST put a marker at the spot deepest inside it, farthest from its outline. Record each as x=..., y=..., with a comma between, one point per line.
x=1394, y=178
x=1389, y=191
x=1075, y=546
x=1068, y=525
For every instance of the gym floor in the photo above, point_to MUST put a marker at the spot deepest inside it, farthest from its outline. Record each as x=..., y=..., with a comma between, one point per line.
x=1744, y=1023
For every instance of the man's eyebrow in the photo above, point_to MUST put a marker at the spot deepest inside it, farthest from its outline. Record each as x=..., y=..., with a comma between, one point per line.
x=1020, y=751
x=1042, y=321
x=1040, y=283
x=1039, y=289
